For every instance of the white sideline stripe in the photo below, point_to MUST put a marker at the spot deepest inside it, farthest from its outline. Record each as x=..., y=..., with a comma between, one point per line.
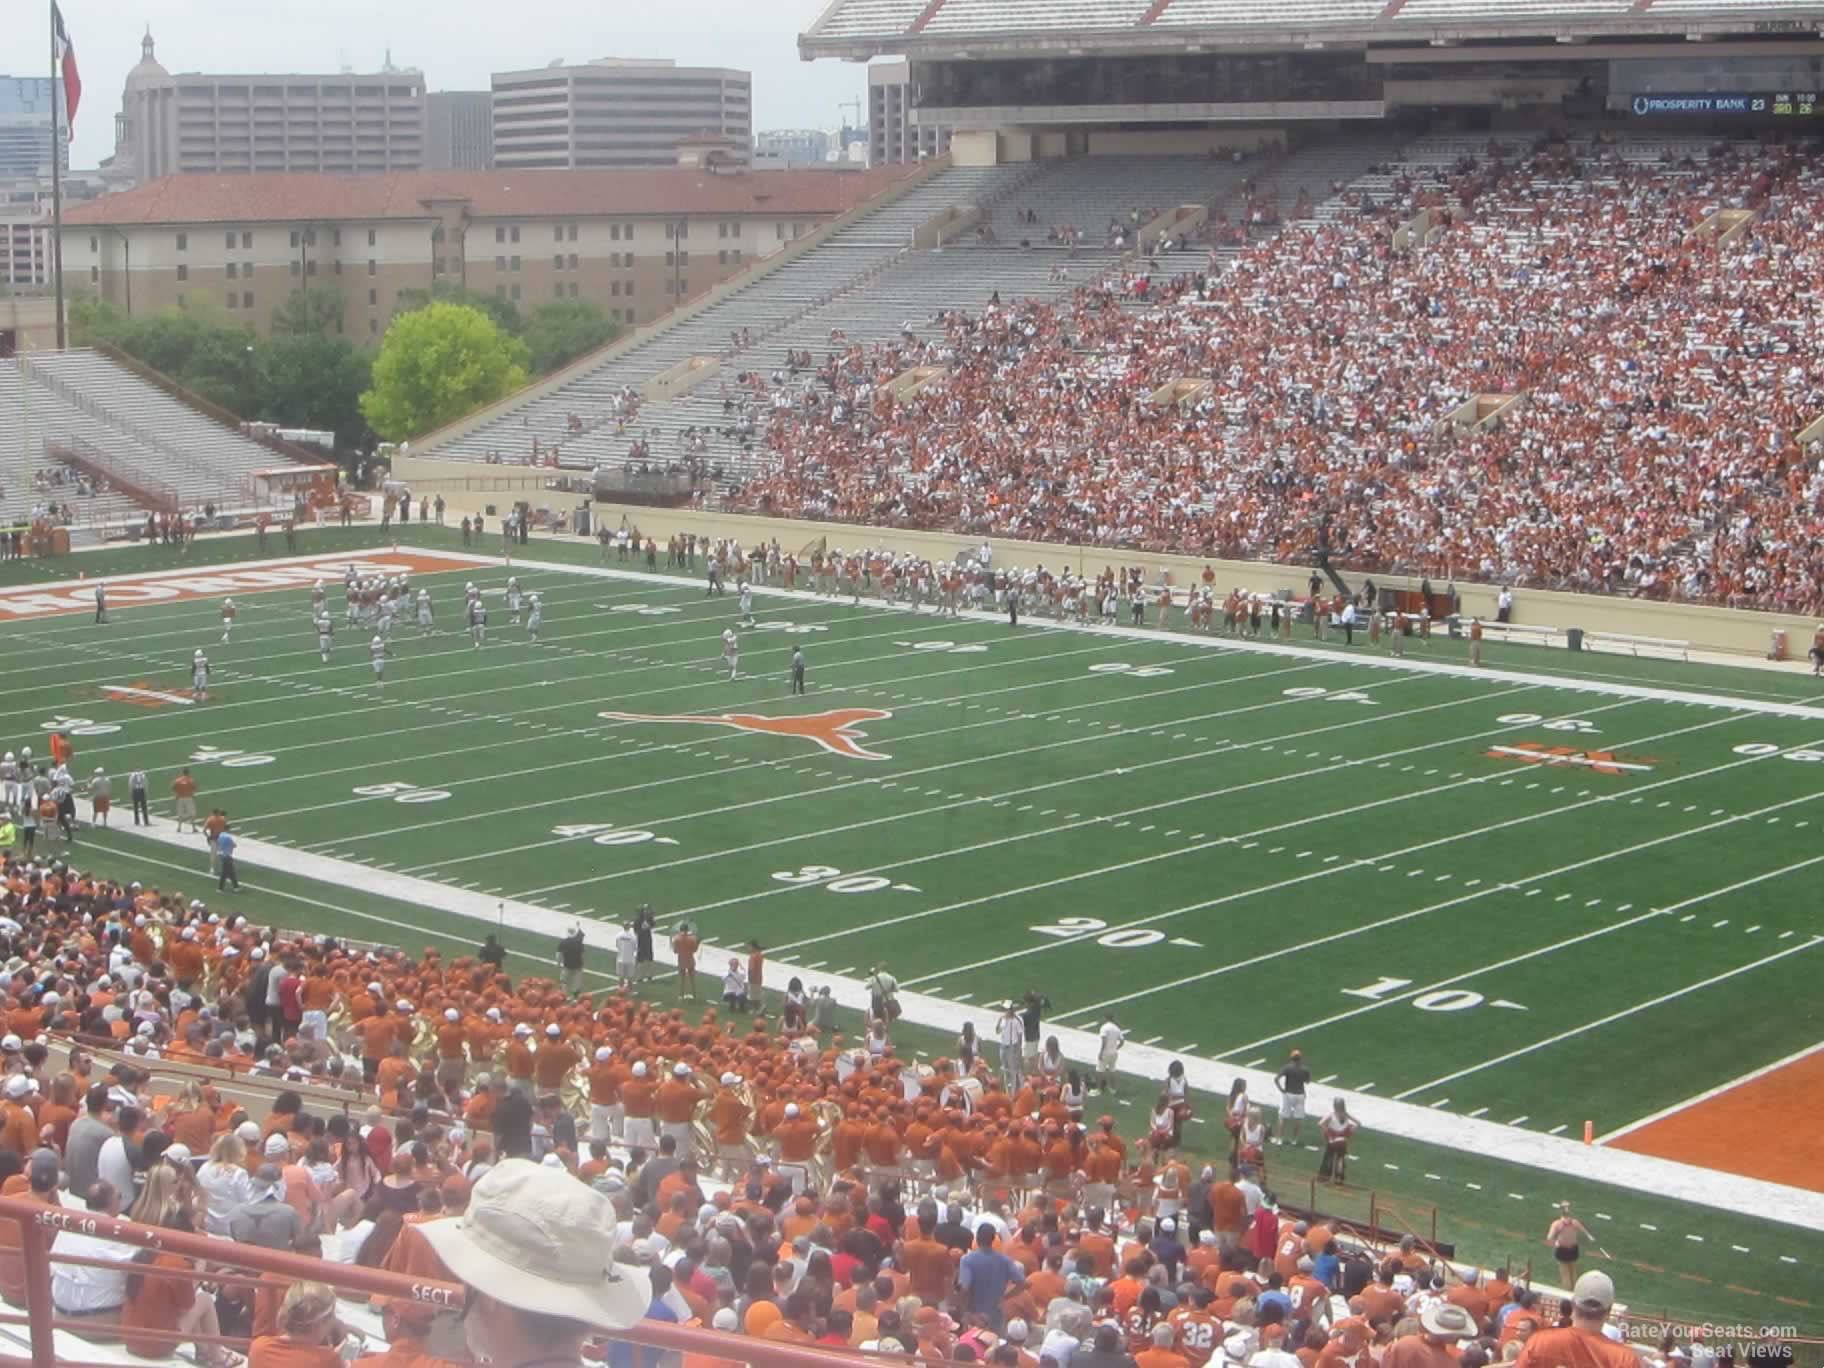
x=283, y=624
x=1709, y=1093
x=1640, y=1173
x=1554, y=946
x=1575, y=1031
x=1406, y=664
x=1347, y=866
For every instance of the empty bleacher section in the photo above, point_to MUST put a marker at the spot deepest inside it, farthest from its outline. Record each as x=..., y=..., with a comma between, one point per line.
x=87, y=422
x=865, y=284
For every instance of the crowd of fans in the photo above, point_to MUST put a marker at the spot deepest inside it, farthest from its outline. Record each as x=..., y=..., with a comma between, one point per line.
x=1665, y=376
x=762, y=1178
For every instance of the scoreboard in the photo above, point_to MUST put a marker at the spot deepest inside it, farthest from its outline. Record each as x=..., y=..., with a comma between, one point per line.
x=1793, y=104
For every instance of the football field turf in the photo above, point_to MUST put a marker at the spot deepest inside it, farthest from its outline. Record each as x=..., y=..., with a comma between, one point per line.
x=1520, y=896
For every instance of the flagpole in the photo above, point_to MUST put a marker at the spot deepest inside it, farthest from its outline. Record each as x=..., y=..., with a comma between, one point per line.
x=57, y=94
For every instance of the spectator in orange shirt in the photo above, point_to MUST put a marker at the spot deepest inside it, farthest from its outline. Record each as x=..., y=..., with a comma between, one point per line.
x=407, y=1324
x=307, y=1322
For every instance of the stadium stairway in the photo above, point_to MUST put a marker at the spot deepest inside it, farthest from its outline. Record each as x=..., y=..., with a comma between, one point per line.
x=868, y=284
x=844, y=263
x=80, y=401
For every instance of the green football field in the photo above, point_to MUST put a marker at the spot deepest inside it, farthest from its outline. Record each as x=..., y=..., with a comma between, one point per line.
x=1525, y=896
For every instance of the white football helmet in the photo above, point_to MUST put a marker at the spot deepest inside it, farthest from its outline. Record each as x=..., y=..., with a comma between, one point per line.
x=199, y=653
x=375, y=642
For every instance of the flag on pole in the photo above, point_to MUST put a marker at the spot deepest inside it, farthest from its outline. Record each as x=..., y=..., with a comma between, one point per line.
x=66, y=54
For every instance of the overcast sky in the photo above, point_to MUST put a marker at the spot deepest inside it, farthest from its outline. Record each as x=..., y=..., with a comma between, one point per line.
x=456, y=43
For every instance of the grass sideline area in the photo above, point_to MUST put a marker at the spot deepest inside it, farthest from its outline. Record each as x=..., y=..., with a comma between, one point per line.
x=1393, y=857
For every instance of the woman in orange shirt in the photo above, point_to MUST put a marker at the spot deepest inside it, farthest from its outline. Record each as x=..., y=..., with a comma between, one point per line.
x=307, y=1327
x=169, y=1304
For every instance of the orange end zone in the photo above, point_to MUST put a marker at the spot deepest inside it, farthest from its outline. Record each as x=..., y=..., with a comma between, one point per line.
x=1759, y=1128
x=175, y=586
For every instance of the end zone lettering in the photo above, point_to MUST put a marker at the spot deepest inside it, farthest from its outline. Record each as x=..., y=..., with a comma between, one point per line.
x=170, y=586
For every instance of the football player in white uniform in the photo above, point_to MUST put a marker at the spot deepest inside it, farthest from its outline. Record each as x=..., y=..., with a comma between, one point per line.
x=746, y=592
x=535, y=615
x=227, y=619
x=199, y=675
x=424, y=612
x=386, y=621
x=731, y=651
x=376, y=650
x=513, y=599
x=9, y=779
x=478, y=623
x=325, y=631
x=316, y=600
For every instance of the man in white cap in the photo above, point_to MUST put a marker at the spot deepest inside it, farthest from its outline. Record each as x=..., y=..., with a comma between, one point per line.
x=604, y=1095
x=1583, y=1343
x=535, y=1253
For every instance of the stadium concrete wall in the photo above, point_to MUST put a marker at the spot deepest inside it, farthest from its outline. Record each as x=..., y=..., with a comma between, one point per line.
x=1708, y=628
x=468, y=487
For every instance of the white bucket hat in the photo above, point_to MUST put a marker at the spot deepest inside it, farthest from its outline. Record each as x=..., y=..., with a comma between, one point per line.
x=535, y=1239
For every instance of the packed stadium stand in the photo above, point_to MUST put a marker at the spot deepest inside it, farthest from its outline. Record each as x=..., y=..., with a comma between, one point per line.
x=751, y=1173
x=81, y=430
x=1666, y=373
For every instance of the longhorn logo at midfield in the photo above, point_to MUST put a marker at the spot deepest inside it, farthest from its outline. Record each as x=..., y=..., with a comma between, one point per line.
x=833, y=729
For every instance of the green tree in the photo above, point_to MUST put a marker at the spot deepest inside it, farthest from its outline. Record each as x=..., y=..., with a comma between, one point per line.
x=437, y=363
x=506, y=317
x=208, y=357
x=317, y=310
x=315, y=381
x=562, y=330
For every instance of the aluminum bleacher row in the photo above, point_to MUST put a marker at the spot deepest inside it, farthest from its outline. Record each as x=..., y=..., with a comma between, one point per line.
x=866, y=283
x=880, y=19
x=51, y=401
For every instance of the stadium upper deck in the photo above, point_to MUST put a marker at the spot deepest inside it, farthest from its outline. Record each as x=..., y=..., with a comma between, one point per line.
x=859, y=29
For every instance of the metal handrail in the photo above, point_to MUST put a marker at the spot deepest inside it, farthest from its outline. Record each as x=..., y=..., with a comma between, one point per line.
x=38, y=1225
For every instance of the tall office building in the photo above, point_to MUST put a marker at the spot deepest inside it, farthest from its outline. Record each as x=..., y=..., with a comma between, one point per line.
x=617, y=111
x=459, y=130
x=25, y=126
x=347, y=123
x=893, y=136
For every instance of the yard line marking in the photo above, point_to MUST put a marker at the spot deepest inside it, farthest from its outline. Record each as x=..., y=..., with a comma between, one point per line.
x=1152, y=1040
x=1750, y=930
x=695, y=776
x=1479, y=1111
x=1255, y=1063
x=1739, y=1249
x=1548, y=949
x=1618, y=1016
x=1195, y=844
x=963, y=997
x=1395, y=919
x=1186, y=1049
x=1518, y=1120
x=1328, y=1078
x=1440, y=1102
x=1559, y=1129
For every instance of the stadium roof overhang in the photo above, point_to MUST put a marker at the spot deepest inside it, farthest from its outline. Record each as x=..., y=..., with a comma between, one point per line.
x=854, y=42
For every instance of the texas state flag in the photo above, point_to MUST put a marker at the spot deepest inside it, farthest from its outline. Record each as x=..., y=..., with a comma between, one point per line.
x=66, y=53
